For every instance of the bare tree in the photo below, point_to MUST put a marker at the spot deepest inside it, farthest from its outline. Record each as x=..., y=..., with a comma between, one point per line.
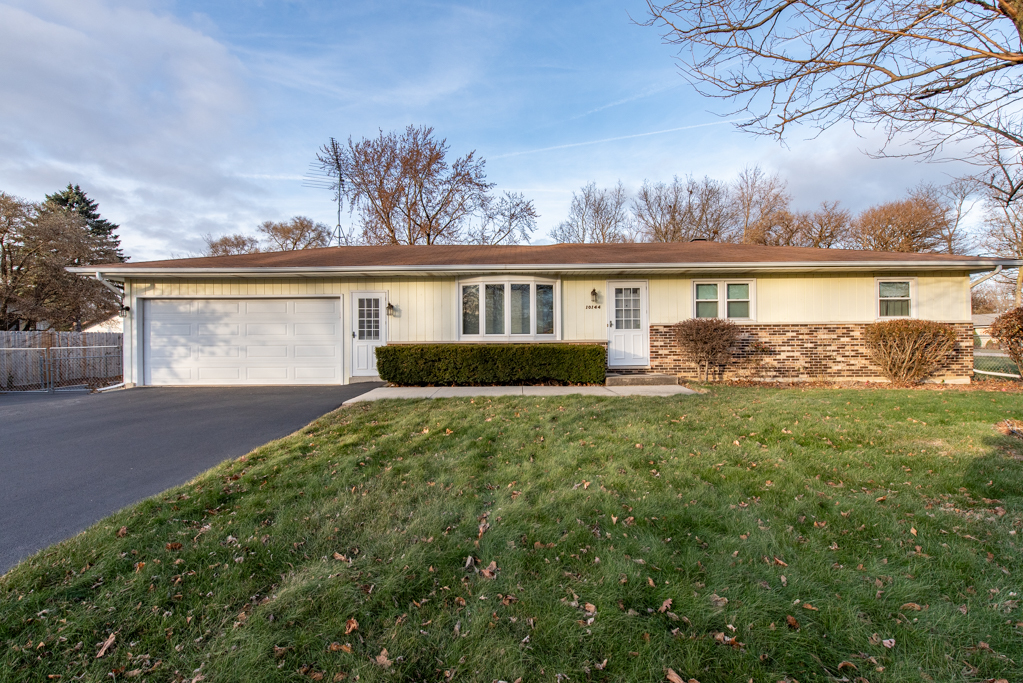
x=406, y=190
x=825, y=228
x=229, y=245
x=681, y=211
x=505, y=220
x=940, y=70
x=761, y=205
x=296, y=233
x=1005, y=237
x=915, y=224
x=598, y=215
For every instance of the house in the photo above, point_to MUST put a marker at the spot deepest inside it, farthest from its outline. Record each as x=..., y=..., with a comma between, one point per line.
x=317, y=316
x=981, y=323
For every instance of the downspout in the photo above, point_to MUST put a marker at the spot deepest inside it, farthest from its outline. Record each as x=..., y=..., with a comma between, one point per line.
x=120, y=295
x=976, y=282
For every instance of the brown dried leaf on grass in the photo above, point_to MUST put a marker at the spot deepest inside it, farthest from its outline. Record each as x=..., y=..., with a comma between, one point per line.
x=717, y=600
x=382, y=660
x=351, y=625
x=792, y=622
x=106, y=645
x=490, y=571
x=672, y=677
x=665, y=606
x=173, y=546
x=122, y=532
x=911, y=605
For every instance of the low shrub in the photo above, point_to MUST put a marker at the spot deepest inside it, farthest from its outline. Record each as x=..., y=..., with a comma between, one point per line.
x=908, y=351
x=488, y=364
x=706, y=341
x=1008, y=330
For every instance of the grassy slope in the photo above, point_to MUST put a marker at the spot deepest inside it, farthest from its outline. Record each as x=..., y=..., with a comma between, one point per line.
x=696, y=517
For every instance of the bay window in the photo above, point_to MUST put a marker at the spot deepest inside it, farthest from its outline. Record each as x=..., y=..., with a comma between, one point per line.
x=510, y=309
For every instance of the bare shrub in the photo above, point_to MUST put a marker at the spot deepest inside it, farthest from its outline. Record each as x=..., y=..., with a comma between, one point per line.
x=908, y=351
x=706, y=341
x=1008, y=330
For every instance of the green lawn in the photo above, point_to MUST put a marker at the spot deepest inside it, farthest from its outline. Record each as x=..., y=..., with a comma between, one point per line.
x=764, y=534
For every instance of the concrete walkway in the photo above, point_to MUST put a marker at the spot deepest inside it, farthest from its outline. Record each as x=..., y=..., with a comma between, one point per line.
x=460, y=392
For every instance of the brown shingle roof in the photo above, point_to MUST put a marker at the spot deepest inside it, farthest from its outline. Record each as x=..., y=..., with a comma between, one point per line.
x=687, y=253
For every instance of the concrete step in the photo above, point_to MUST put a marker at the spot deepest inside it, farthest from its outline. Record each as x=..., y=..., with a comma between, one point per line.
x=647, y=380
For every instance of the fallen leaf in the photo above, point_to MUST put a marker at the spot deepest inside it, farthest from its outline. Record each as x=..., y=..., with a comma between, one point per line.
x=717, y=600
x=460, y=601
x=780, y=563
x=490, y=571
x=106, y=645
x=335, y=647
x=382, y=659
x=650, y=582
x=614, y=520
x=590, y=607
x=850, y=665
x=351, y=625
x=913, y=606
x=122, y=532
x=792, y=622
x=888, y=643
x=173, y=546
x=665, y=606
x=672, y=677
x=808, y=606
x=874, y=639
x=340, y=557
x=881, y=499
x=912, y=530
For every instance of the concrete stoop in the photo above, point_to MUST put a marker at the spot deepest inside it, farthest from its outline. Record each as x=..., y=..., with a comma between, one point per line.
x=645, y=380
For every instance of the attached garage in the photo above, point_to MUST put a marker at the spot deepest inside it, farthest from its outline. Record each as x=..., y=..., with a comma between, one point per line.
x=242, y=341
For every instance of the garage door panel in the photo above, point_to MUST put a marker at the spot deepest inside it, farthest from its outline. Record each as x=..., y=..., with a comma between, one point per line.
x=215, y=307
x=266, y=329
x=219, y=352
x=266, y=351
x=166, y=329
x=326, y=373
x=171, y=307
x=280, y=307
x=242, y=341
x=316, y=307
x=315, y=330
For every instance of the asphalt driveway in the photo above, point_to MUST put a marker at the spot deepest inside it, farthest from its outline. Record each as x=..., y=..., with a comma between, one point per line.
x=69, y=460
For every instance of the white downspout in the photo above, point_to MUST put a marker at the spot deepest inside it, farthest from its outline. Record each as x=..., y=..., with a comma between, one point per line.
x=987, y=277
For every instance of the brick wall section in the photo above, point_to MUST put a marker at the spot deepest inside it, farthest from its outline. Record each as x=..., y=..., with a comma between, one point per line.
x=835, y=352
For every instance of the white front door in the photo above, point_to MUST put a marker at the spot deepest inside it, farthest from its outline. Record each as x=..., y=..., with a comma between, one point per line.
x=627, y=324
x=369, y=330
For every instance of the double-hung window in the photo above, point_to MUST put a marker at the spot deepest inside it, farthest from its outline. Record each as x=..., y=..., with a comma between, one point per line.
x=732, y=299
x=895, y=298
x=498, y=309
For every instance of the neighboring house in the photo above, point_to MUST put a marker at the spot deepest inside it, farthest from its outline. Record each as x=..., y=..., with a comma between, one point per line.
x=112, y=324
x=981, y=323
x=317, y=316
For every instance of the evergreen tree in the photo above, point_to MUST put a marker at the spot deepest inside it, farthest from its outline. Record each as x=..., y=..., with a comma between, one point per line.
x=73, y=199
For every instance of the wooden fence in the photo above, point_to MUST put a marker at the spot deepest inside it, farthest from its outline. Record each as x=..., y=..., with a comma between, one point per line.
x=47, y=361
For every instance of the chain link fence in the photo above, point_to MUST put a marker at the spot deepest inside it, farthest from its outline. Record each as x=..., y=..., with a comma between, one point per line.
x=989, y=365
x=60, y=368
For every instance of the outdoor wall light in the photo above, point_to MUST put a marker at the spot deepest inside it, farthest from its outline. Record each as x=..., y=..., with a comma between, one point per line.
x=593, y=295
x=390, y=309
x=123, y=312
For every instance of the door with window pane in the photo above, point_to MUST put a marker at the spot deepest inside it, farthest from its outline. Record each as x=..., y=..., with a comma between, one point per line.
x=627, y=324
x=369, y=331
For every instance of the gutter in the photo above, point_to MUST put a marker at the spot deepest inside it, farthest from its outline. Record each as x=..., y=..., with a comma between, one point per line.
x=987, y=277
x=377, y=271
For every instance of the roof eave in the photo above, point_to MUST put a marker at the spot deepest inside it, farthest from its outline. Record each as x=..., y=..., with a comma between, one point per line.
x=973, y=266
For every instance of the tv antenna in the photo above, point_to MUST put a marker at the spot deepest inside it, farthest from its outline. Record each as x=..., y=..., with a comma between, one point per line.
x=326, y=173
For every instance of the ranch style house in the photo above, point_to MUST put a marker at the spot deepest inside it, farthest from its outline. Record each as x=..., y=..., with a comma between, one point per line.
x=317, y=316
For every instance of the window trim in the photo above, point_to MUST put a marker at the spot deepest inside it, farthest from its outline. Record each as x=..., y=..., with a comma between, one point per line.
x=507, y=282
x=913, y=301
x=722, y=300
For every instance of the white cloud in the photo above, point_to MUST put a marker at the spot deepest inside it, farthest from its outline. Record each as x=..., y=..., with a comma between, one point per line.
x=138, y=108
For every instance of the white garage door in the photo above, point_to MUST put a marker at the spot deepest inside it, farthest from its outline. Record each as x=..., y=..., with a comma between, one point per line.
x=242, y=341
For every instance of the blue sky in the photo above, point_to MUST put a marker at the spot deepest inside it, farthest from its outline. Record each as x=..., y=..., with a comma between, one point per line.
x=185, y=118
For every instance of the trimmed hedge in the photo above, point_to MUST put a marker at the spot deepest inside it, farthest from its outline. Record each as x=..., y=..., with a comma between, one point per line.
x=489, y=364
